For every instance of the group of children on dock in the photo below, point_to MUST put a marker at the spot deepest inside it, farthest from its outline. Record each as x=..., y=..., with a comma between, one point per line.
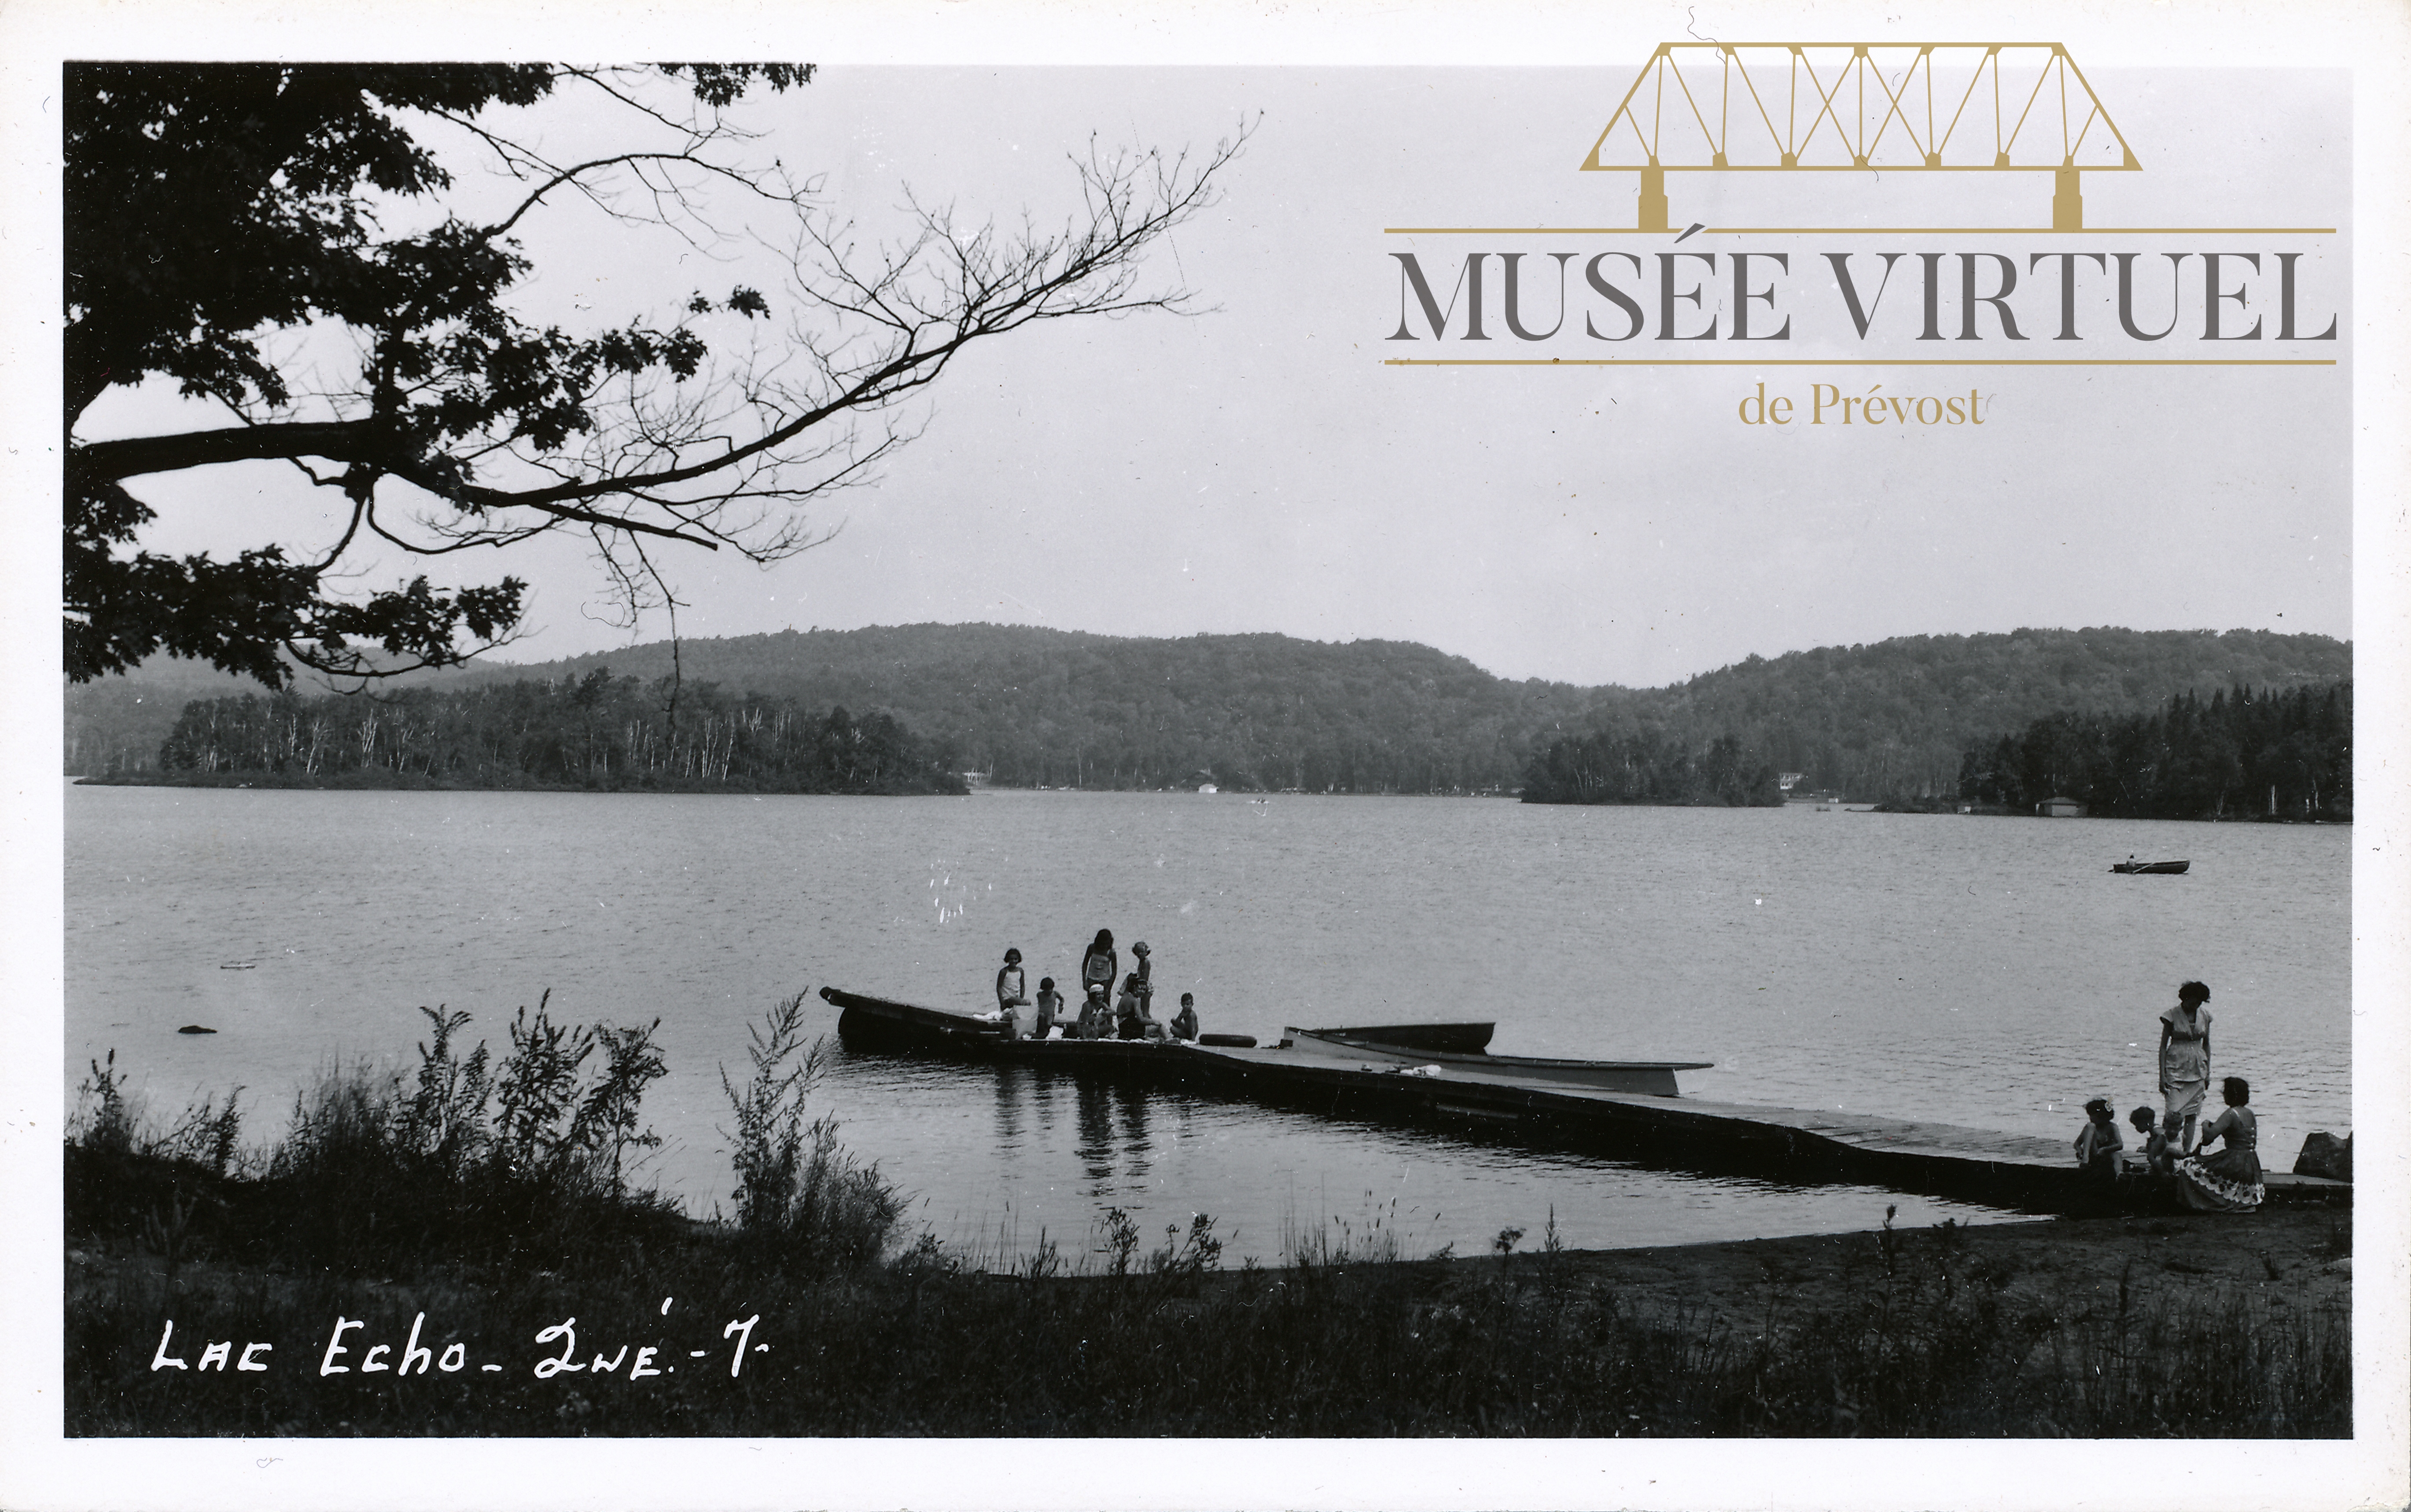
x=1130, y=1017
x=2227, y=1182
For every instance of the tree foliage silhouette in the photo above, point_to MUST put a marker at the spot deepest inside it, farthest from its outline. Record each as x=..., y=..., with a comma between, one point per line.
x=227, y=230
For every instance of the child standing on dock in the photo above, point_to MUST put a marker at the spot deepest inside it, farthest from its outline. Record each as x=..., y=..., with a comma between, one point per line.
x=1050, y=1005
x=1102, y=964
x=1012, y=1000
x=2098, y=1143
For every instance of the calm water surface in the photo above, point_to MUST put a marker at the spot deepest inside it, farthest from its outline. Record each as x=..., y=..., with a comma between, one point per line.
x=1983, y=971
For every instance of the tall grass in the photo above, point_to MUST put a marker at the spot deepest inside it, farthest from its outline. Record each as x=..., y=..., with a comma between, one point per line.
x=528, y=1161
x=493, y=1201
x=801, y=1198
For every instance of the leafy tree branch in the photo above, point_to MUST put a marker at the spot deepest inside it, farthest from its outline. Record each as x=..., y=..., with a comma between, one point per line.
x=226, y=231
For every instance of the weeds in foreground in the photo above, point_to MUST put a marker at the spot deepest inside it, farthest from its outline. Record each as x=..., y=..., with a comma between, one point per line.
x=503, y=1231
x=800, y=1195
x=380, y=1169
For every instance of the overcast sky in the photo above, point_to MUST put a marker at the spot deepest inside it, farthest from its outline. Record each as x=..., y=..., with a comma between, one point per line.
x=1256, y=468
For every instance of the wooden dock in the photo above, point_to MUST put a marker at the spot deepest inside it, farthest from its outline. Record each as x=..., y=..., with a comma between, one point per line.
x=1792, y=1144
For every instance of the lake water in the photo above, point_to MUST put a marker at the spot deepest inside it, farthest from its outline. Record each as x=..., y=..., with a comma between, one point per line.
x=1984, y=972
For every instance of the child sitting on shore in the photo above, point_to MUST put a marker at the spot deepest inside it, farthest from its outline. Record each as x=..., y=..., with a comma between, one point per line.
x=2158, y=1159
x=2098, y=1143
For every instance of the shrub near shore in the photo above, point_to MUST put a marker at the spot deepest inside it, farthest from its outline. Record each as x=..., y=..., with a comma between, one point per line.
x=803, y=1314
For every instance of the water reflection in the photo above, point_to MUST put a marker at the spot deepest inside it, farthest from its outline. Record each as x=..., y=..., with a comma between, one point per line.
x=1065, y=1149
x=1010, y=1095
x=1114, y=1147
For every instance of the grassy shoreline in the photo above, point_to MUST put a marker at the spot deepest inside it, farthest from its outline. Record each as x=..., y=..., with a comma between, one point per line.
x=2200, y=1324
x=459, y=1253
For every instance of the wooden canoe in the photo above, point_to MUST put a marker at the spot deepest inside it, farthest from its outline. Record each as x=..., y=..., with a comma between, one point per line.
x=1455, y=1039
x=1653, y=1077
x=2152, y=868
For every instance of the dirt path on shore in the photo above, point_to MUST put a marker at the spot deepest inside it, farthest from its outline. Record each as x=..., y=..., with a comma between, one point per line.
x=2292, y=1257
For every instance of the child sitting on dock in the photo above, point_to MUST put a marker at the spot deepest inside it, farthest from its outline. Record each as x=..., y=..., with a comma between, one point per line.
x=1184, y=1024
x=1050, y=1005
x=2098, y=1143
x=1130, y=1013
x=2160, y=1159
x=1096, y=1019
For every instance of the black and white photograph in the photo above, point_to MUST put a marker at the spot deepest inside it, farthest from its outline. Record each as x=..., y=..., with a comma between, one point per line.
x=1577, y=756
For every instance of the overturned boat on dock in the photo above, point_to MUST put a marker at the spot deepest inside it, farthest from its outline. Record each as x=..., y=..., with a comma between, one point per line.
x=1465, y=1046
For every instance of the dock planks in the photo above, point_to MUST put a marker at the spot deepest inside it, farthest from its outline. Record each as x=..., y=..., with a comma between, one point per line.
x=1725, y=1137
x=1920, y=1154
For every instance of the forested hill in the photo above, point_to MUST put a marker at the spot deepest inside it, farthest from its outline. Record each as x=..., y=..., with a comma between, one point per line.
x=1032, y=706
x=1884, y=720
x=1068, y=709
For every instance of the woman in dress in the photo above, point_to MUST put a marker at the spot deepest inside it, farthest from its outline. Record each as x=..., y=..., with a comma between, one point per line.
x=2229, y=1181
x=2184, y=1061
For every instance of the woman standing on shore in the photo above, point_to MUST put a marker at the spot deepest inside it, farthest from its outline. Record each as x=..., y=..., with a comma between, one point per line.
x=2229, y=1181
x=2184, y=1061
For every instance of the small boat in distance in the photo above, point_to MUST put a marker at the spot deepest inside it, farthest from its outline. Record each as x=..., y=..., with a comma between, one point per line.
x=2132, y=868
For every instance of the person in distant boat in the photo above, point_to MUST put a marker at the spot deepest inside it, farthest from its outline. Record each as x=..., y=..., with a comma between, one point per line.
x=1096, y=1015
x=2184, y=1061
x=1102, y=964
x=1184, y=1024
x=1050, y=1006
x=2229, y=1181
x=2098, y=1142
x=1130, y=1011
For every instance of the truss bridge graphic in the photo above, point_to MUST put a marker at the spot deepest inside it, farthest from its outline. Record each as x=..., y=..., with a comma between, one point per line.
x=1852, y=107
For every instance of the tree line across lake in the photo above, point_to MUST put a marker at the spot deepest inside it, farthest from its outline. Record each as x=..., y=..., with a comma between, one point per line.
x=1032, y=708
x=597, y=731
x=2242, y=754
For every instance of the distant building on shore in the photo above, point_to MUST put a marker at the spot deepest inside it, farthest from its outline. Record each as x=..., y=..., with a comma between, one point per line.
x=2060, y=808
